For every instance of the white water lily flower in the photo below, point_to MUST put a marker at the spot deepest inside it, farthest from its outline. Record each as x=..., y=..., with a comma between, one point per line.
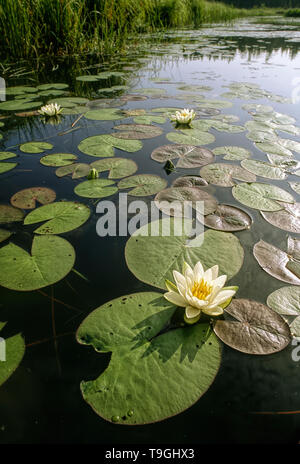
x=184, y=116
x=198, y=291
x=52, y=109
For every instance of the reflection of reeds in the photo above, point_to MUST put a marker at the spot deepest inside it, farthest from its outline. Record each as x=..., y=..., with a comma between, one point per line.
x=30, y=28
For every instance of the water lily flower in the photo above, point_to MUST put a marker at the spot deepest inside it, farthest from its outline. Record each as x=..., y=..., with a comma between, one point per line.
x=52, y=109
x=184, y=116
x=199, y=291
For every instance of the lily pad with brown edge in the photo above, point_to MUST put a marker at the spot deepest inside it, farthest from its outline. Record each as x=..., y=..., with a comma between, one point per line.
x=4, y=234
x=179, y=364
x=96, y=188
x=103, y=145
x=10, y=214
x=76, y=170
x=117, y=167
x=196, y=137
x=263, y=169
x=35, y=147
x=137, y=131
x=60, y=217
x=189, y=155
x=256, y=329
x=142, y=184
x=173, y=201
x=159, y=247
x=232, y=153
x=225, y=175
x=28, y=198
x=228, y=219
x=14, y=353
x=265, y=197
x=58, y=159
x=287, y=218
x=274, y=261
x=51, y=259
x=189, y=181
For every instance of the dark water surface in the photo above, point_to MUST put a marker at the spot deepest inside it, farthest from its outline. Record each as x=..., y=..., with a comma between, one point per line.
x=41, y=402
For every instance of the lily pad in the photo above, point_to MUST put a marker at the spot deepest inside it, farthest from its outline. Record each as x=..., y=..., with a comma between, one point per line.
x=285, y=219
x=137, y=131
x=103, y=145
x=256, y=329
x=14, y=352
x=263, y=169
x=148, y=119
x=224, y=174
x=228, y=218
x=53, y=85
x=232, y=153
x=285, y=301
x=77, y=170
x=189, y=155
x=19, y=105
x=5, y=167
x=117, y=167
x=152, y=258
x=4, y=234
x=180, y=364
x=104, y=114
x=273, y=148
x=198, y=138
x=58, y=159
x=96, y=188
x=265, y=197
x=61, y=217
x=51, y=259
x=10, y=214
x=69, y=102
x=150, y=92
x=180, y=195
x=35, y=147
x=189, y=181
x=143, y=184
x=28, y=198
x=295, y=186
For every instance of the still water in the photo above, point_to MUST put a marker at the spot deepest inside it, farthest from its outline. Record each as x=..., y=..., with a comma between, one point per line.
x=41, y=402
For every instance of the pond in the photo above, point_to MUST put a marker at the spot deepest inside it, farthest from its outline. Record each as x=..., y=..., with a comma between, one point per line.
x=242, y=81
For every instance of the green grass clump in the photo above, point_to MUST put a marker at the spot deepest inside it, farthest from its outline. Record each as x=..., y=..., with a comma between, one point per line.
x=293, y=13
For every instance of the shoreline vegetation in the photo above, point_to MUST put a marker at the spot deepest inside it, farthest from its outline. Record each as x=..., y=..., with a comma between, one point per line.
x=35, y=28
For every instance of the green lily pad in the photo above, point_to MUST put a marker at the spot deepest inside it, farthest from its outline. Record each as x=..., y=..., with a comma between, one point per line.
x=143, y=184
x=180, y=195
x=273, y=148
x=20, y=90
x=217, y=104
x=51, y=93
x=28, y=198
x=96, y=188
x=58, y=159
x=4, y=234
x=232, y=153
x=88, y=78
x=19, y=105
x=153, y=257
x=51, y=259
x=137, y=131
x=61, y=217
x=256, y=108
x=35, y=147
x=189, y=181
x=69, y=102
x=189, y=155
x=14, y=352
x=150, y=92
x=224, y=174
x=77, y=170
x=265, y=197
x=285, y=219
x=295, y=186
x=53, y=85
x=103, y=145
x=228, y=218
x=256, y=329
x=285, y=301
x=262, y=136
x=180, y=364
x=5, y=167
x=10, y=214
x=263, y=169
x=149, y=119
x=104, y=114
x=117, y=167
x=198, y=138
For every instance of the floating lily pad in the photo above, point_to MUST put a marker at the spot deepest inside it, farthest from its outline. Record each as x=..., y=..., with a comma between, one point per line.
x=217, y=104
x=103, y=145
x=19, y=105
x=142, y=184
x=35, y=147
x=51, y=259
x=77, y=170
x=20, y=90
x=198, y=138
x=262, y=136
x=265, y=197
x=14, y=352
x=58, y=159
x=224, y=174
x=232, y=153
x=53, y=85
x=61, y=217
x=5, y=167
x=254, y=108
x=69, y=102
x=263, y=169
x=189, y=181
x=150, y=92
x=285, y=219
x=28, y=198
x=51, y=93
x=96, y=188
x=256, y=329
x=295, y=186
x=156, y=249
x=88, y=78
x=275, y=261
x=181, y=195
x=10, y=214
x=4, y=234
x=274, y=148
x=117, y=167
x=149, y=119
x=137, y=131
x=189, y=155
x=104, y=114
x=180, y=364
x=285, y=301
x=228, y=218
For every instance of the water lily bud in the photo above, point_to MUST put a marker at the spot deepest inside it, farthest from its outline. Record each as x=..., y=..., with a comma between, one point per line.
x=93, y=174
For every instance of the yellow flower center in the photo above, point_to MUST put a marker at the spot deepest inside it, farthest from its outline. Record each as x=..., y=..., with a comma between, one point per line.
x=201, y=289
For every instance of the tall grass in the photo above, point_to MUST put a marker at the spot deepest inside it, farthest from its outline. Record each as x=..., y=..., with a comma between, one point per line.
x=31, y=28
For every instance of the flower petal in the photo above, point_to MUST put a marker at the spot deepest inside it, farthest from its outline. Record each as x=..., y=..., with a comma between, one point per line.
x=217, y=311
x=223, y=296
x=220, y=281
x=191, y=312
x=175, y=298
x=198, y=271
x=214, y=272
